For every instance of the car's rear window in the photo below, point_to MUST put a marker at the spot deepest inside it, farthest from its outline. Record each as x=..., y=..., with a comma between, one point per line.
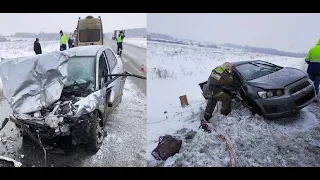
x=81, y=70
x=89, y=35
x=250, y=71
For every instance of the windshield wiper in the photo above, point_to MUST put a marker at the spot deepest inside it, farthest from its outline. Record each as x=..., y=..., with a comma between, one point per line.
x=125, y=74
x=267, y=64
x=254, y=64
x=75, y=82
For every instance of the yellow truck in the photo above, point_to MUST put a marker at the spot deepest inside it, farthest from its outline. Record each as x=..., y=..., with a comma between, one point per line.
x=89, y=31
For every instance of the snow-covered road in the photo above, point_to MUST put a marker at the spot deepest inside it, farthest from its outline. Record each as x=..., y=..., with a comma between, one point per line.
x=175, y=70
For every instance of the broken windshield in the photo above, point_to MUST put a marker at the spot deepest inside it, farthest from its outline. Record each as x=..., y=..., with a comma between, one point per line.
x=253, y=70
x=81, y=70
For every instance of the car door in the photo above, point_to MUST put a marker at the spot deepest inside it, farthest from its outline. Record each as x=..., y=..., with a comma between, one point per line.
x=119, y=66
x=114, y=68
x=101, y=70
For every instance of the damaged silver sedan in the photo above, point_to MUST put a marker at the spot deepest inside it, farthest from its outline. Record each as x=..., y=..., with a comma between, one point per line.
x=66, y=94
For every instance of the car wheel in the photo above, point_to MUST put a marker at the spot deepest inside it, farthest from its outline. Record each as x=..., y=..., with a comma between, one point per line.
x=254, y=108
x=26, y=139
x=96, y=133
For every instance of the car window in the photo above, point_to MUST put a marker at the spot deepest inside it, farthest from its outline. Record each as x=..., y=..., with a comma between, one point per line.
x=252, y=70
x=89, y=35
x=112, y=60
x=81, y=70
x=103, y=70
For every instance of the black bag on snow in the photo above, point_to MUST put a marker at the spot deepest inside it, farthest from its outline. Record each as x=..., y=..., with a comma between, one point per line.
x=167, y=147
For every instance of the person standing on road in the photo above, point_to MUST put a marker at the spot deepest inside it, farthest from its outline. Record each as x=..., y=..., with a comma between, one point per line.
x=70, y=41
x=63, y=41
x=313, y=61
x=119, y=43
x=221, y=78
x=37, y=47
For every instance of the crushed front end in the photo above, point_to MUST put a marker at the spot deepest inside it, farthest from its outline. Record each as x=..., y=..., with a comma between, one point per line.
x=43, y=105
x=58, y=120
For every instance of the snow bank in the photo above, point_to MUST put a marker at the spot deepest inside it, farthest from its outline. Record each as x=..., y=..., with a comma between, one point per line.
x=15, y=49
x=175, y=70
x=140, y=42
x=25, y=48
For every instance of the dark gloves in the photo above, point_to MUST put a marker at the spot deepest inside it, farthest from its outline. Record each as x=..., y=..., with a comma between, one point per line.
x=306, y=61
x=205, y=126
x=211, y=87
x=230, y=91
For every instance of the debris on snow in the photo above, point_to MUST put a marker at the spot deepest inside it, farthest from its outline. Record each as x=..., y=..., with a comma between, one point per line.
x=168, y=146
x=15, y=163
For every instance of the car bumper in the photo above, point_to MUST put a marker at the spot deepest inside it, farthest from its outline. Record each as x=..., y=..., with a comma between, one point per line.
x=286, y=105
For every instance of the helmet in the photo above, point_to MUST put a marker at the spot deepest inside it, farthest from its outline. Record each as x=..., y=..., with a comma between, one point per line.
x=227, y=66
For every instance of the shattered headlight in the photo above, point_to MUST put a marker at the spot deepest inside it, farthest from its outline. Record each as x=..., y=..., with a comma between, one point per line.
x=270, y=93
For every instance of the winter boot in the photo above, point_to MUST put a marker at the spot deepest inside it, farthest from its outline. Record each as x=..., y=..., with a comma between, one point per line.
x=205, y=126
x=316, y=98
x=207, y=117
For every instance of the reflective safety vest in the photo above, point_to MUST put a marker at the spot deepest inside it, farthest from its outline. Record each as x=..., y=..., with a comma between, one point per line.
x=219, y=70
x=313, y=59
x=63, y=39
x=119, y=40
x=216, y=72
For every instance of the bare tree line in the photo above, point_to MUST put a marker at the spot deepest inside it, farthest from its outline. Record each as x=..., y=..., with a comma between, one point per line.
x=169, y=39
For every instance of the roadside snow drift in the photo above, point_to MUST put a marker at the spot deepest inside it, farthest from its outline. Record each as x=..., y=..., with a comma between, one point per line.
x=176, y=70
x=140, y=42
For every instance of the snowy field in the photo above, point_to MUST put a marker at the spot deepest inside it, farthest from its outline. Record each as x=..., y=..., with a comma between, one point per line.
x=15, y=49
x=140, y=42
x=175, y=70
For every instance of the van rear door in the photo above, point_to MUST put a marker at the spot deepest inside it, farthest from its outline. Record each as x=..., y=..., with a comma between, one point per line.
x=89, y=35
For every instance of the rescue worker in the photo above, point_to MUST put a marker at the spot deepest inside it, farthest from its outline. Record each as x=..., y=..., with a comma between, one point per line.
x=119, y=43
x=37, y=47
x=221, y=79
x=63, y=41
x=313, y=61
x=122, y=35
x=73, y=40
x=70, y=41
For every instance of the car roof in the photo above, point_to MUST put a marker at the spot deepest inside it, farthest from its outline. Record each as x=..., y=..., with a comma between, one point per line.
x=91, y=50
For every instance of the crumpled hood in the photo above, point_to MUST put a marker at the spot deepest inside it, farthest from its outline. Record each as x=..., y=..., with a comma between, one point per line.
x=34, y=82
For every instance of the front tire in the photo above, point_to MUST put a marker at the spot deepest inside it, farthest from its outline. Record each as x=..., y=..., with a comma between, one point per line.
x=254, y=108
x=96, y=133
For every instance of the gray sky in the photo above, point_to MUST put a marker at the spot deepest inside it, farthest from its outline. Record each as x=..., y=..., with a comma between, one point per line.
x=289, y=32
x=54, y=22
